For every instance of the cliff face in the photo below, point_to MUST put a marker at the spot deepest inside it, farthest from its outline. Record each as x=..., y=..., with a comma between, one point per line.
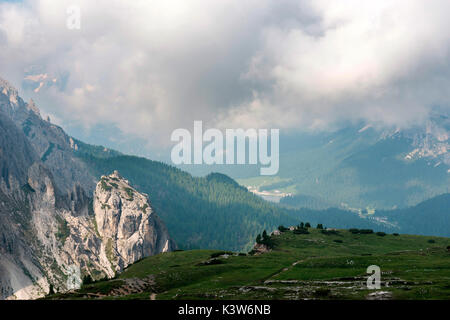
x=56, y=225
x=129, y=228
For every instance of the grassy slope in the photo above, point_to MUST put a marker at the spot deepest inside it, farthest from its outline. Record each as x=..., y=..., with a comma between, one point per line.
x=300, y=266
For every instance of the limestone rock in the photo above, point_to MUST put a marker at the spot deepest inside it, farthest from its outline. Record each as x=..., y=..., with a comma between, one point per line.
x=126, y=222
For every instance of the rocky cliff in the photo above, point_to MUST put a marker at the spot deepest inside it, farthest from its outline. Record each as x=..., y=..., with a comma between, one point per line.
x=126, y=222
x=56, y=224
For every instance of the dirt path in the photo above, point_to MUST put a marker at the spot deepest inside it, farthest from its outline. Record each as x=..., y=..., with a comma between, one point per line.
x=286, y=269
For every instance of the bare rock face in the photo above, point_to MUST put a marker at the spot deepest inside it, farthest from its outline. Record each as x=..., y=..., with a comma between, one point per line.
x=126, y=222
x=57, y=224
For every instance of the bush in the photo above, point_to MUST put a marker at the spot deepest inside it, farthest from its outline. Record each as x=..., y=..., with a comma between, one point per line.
x=360, y=231
x=301, y=231
x=210, y=262
x=307, y=225
x=381, y=234
x=87, y=279
x=396, y=234
x=329, y=232
x=319, y=226
x=322, y=292
x=220, y=253
x=431, y=241
x=282, y=229
x=338, y=241
x=51, y=289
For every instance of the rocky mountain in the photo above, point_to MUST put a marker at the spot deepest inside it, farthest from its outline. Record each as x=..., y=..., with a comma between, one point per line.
x=55, y=222
x=126, y=222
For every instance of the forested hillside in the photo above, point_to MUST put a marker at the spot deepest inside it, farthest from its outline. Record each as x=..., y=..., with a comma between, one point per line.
x=216, y=212
x=207, y=212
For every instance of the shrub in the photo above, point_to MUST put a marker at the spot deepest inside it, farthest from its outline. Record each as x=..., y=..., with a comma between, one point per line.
x=307, y=225
x=87, y=279
x=220, y=253
x=210, y=262
x=51, y=289
x=360, y=231
x=105, y=186
x=282, y=229
x=301, y=231
x=322, y=292
x=396, y=234
x=130, y=193
x=381, y=234
x=319, y=226
x=338, y=241
x=431, y=241
x=329, y=232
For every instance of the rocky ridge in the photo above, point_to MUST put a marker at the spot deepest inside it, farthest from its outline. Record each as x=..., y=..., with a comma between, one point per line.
x=51, y=206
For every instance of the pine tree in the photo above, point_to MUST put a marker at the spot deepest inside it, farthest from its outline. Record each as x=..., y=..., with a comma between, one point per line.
x=51, y=290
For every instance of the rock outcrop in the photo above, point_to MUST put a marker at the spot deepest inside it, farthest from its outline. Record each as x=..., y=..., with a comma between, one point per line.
x=126, y=222
x=57, y=224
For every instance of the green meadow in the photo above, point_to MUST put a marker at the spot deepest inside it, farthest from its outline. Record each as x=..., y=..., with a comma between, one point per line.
x=299, y=266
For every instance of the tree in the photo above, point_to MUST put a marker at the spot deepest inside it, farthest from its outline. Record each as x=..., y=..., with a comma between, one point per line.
x=307, y=225
x=265, y=236
x=319, y=226
x=87, y=279
x=258, y=238
x=51, y=289
x=302, y=225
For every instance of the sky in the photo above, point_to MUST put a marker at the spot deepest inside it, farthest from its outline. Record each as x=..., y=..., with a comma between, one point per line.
x=137, y=70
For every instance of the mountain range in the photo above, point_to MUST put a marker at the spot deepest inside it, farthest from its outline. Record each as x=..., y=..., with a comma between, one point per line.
x=361, y=166
x=70, y=209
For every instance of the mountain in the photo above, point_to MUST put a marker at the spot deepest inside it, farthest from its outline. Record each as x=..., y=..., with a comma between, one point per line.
x=431, y=217
x=319, y=264
x=55, y=221
x=66, y=212
x=362, y=166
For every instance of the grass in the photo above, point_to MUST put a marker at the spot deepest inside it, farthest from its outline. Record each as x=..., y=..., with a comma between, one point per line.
x=301, y=266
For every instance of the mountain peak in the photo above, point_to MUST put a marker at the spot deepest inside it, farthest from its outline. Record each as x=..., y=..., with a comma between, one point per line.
x=33, y=108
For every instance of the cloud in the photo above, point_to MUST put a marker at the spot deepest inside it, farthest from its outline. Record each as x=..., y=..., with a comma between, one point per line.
x=148, y=67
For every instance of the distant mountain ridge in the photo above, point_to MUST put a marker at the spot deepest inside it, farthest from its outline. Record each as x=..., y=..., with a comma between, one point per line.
x=364, y=167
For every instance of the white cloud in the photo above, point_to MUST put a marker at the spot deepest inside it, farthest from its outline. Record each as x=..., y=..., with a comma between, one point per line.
x=149, y=67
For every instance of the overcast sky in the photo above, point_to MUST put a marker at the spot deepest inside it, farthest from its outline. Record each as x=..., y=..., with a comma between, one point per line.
x=148, y=67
